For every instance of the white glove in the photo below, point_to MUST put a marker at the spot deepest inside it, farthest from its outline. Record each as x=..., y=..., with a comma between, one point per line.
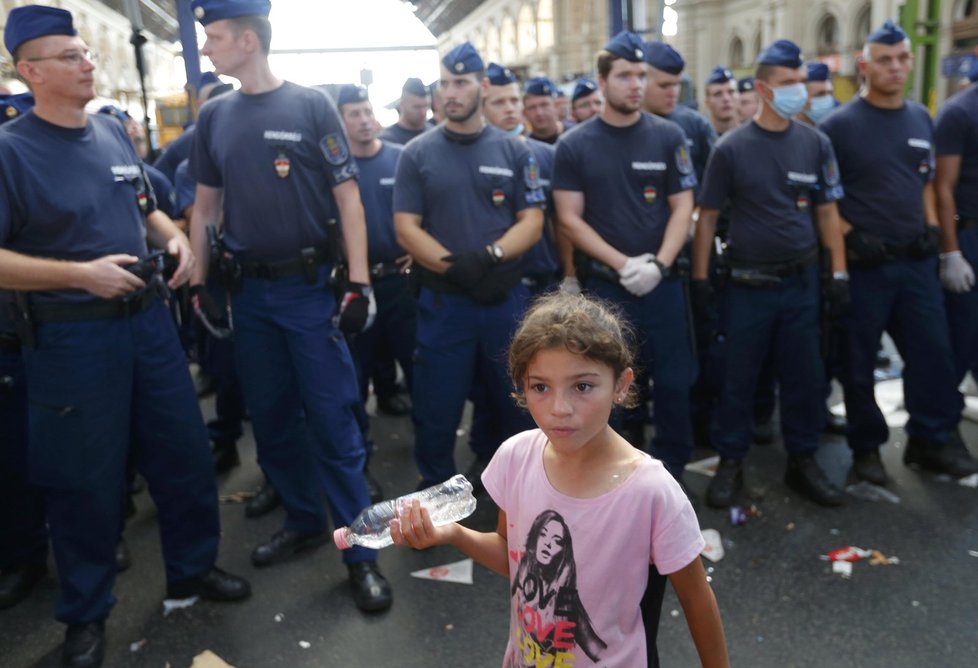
x=633, y=264
x=956, y=274
x=570, y=285
x=645, y=278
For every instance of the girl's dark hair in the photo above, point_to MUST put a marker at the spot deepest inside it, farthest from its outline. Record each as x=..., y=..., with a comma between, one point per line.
x=585, y=326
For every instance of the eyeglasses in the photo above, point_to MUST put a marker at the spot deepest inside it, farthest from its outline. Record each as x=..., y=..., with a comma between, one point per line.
x=74, y=58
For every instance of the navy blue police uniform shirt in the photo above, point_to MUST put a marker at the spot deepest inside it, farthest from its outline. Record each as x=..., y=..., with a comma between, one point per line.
x=175, y=152
x=377, y=193
x=542, y=256
x=771, y=181
x=700, y=138
x=163, y=189
x=627, y=175
x=277, y=155
x=467, y=192
x=885, y=158
x=956, y=133
x=395, y=134
x=71, y=193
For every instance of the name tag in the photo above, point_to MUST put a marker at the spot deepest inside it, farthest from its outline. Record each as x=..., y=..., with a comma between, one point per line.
x=387, y=181
x=919, y=143
x=649, y=166
x=496, y=171
x=801, y=177
x=125, y=172
x=283, y=135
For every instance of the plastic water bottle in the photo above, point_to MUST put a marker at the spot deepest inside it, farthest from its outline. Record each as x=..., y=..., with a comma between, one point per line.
x=448, y=502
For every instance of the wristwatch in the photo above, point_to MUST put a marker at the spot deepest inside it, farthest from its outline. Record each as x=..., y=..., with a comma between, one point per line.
x=496, y=252
x=840, y=275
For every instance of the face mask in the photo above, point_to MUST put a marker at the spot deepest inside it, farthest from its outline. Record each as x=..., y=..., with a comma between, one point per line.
x=517, y=131
x=789, y=100
x=820, y=107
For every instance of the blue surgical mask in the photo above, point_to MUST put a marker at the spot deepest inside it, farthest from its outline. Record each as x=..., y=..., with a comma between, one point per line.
x=517, y=131
x=789, y=100
x=820, y=107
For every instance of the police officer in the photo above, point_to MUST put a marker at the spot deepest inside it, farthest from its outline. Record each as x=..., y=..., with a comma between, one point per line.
x=662, y=99
x=540, y=110
x=772, y=171
x=412, y=112
x=623, y=192
x=956, y=186
x=23, y=534
x=886, y=159
x=392, y=335
x=103, y=363
x=586, y=100
x=277, y=154
x=723, y=100
x=820, y=98
x=467, y=205
x=749, y=103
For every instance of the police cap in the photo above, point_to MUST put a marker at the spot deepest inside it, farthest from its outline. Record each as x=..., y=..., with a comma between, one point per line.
x=888, y=33
x=783, y=53
x=627, y=45
x=663, y=57
x=463, y=59
x=719, y=75
x=33, y=21
x=350, y=94
x=745, y=85
x=817, y=71
x=208, y=11
x=583, y=88
x=12, y=106
x=414, y=86
x=541, y=86
x=499, y=75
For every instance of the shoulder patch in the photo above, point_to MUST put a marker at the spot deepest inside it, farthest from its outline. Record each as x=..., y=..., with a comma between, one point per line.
x=830, y=172
x=683, y=163
x=334, y=148
x=531, y=174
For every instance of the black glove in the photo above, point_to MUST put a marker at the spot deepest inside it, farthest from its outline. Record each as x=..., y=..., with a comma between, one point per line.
x=468, y=268
x=356, y=309
x=209, y=313
x=835, y=300
x=704, y=300
x=927, y=244
x=865, y=248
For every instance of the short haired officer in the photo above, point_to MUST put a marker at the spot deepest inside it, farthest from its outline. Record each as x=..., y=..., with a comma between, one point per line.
x=956, y=187
x=886, y=158
x=623, y=191
x=412, y=114
x=23, y=532
x=392, y=336
x=540, y=110
x=277, y=155
x=662, y=99
x=772, y=171
x=722, y=99
x=586, y=100
x=467, y=205
x=105, y=372
x=749, y=103
x=821, y=101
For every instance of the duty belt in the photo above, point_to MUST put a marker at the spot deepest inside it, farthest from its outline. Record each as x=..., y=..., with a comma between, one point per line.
x=598, y=269
x=769, y=274
x=438, y=282
x=98, y=309
x=308, y=262
x=384, y=269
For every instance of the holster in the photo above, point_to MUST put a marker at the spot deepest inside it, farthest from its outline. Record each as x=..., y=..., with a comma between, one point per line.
x=24, y=325
x=223, y=262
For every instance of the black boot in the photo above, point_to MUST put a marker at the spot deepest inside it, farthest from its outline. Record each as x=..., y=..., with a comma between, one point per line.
x=805, y=476
x=371, y=591
x=285, y=544
x=762, y=432
x=225, y=456
x=17, y=583
x=868, y=466
x=951, y=458
x=84, y=646
x=729, y=479
x=265, y=501
x=215, y=585
x=394, y=405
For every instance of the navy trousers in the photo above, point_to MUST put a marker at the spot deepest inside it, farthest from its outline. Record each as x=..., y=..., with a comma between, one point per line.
x=962, y=313
x=392, y=336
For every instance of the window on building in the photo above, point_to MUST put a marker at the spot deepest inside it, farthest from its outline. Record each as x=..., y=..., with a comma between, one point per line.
x=736, y=53
x=526, y=31
x=545, y=24
x=507, y=39
x=827, y=41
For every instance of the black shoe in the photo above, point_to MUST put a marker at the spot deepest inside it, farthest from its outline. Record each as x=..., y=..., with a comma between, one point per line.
x=951, y=458
x=729, y=479
x=762, y=432
x=634, y=433
x=123, y=559
x=394, y=405
x=216, y=585
x=284, y=544
x=84, y=646
x=17, y=583
x=805, y=476
x=868, y=466
x=373, y=487
x=835, y=424
x=225, y=456
x=474, y=475
x=371, y=591
x=265, y=501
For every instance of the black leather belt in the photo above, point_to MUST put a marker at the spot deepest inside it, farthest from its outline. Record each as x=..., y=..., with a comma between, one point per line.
x=384, y=269
x=98, y=309
x=9, y=343
x=778, y=269
x=539, y=279
x=307, y=263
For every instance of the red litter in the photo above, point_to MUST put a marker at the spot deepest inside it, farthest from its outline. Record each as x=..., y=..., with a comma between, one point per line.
x=848, y=553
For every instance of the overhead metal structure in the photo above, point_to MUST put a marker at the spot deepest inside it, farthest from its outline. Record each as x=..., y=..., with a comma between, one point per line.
x=440, y=16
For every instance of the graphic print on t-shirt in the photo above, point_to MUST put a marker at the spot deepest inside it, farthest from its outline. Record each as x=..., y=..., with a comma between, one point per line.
x=551, y=618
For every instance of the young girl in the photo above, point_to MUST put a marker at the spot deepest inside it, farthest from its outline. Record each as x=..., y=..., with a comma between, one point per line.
x=582, y=513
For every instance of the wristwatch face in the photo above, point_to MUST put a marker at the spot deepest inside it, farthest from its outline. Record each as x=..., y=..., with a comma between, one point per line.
x=497, y=251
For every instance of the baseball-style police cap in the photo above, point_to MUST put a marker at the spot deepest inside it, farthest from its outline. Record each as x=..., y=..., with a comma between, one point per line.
x=463, y=59
x=499, y=75
x=888, y=33
x=115, y=112
x=817, y=71
x=719, y=75
x=745, y=85
x=208, y=11
x=350, y=94
x=12, y=106
x=33, y=21
x=206, y=79
x=783, y=53
x=583, y=88
x=627, y=45
x=663, y=57
x=414, y=86
x=541, y=86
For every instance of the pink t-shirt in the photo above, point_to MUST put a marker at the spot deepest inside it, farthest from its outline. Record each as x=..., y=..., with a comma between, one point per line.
x=578, y=567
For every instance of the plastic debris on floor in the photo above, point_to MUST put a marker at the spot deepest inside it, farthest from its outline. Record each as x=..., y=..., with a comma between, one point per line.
x=707, y=466
x=969, y=481
x=843, y=558
x=171, y=604
x=458, y=571
x=714, y=545
x=237, y=497
x=867, y=491
x=207, y=659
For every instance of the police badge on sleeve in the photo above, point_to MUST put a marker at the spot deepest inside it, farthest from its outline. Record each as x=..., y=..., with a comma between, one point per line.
x=334, y=148
x=683, y=162
x=531, y=178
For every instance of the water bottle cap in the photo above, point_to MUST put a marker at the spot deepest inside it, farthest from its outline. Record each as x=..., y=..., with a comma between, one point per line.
x=339, y=537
